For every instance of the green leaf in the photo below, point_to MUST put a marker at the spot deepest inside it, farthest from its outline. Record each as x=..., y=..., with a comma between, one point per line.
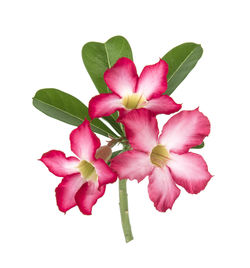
x=98, y=57
x=199, y=146
x=181, y=60
x=66, y=108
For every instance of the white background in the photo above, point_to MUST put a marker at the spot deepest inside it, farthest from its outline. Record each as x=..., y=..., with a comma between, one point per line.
x=41, y=45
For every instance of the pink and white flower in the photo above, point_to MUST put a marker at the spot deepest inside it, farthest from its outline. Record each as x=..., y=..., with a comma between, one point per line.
x=166, y=158
x=84, y=178
x=132, y=92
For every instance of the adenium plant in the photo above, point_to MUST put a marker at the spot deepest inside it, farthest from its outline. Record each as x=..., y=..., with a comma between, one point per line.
x=129, y=104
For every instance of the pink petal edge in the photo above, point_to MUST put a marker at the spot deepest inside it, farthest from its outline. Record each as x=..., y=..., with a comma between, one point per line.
x=104, y=105
x=87, y=196
x=59, y=164
x=132, y=165
x=153, y=80
x=190, y=171
x=84, y=142
x=66, y=191
x=122, y=77
x=141, y=129
x=185, y=130
x=104, y=172
x=162, y=105
x=162, y=190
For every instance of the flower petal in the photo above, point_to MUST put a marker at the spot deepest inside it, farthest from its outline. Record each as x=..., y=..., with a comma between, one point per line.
x=104, y=105
x=59, y=164
x=162, y=189
x=66, y=190
x=153, y=80
x=185, y=130
x=104, y=172
x=84, y=142
x=132, y=165
x=162, y=105
x=87, y=196
x=122, y=77
x=190, y=171
x=141, y=129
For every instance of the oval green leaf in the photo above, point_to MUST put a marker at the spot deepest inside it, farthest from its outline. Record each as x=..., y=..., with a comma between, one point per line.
x=66, y=108
x=181, y=60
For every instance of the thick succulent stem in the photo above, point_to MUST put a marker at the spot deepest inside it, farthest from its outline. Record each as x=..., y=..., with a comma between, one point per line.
x=124, y=210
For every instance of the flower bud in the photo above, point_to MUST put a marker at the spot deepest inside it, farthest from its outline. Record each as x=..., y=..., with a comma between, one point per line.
x=104, y=152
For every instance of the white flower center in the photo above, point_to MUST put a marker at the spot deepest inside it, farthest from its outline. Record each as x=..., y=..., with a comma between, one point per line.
x=134, y=101
x=87, y=171
x=159, y=156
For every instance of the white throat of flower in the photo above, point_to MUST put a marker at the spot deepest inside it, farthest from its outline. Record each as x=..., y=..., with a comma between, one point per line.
x=159, y=156
x=134, y=101
x=87, y=171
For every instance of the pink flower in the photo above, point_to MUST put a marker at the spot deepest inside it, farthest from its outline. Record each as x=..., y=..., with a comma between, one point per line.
x=131, y=92
x=165, y=159
x=84, y=179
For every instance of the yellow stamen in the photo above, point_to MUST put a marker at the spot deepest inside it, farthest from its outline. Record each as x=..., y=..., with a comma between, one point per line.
x=133, y=101
x=87, y=171
x=159, y=156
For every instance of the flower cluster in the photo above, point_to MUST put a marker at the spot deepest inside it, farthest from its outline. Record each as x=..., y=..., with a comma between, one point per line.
x=164, y=158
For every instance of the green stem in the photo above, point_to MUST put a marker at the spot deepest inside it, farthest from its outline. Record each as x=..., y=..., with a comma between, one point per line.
x=124, y=210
